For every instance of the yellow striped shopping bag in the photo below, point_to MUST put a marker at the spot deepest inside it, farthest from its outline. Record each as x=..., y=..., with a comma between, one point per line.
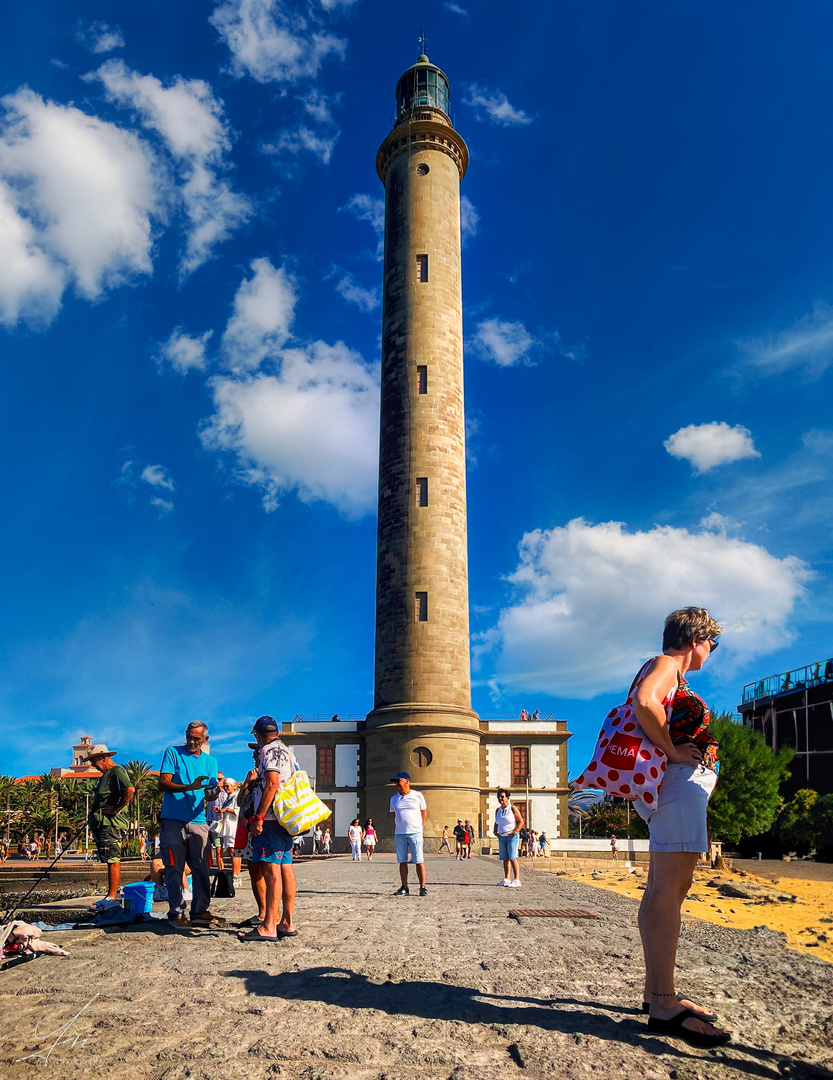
x=296, y=805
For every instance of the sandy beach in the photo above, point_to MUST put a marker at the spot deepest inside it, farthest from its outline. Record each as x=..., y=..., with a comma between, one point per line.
x=448, y=986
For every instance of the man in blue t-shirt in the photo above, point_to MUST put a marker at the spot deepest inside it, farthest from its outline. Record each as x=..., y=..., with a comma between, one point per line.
x=187, y=777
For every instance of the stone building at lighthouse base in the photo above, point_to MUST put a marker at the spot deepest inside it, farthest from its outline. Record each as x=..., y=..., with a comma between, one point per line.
x=530, y=758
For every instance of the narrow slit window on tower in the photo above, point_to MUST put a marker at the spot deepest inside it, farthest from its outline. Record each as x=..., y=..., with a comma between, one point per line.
x=422, y=491
x=422, y=379
x=421, y=607
x=422, y=268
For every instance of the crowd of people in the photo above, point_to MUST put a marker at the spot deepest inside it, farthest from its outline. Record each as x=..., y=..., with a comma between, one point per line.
x=202, y=809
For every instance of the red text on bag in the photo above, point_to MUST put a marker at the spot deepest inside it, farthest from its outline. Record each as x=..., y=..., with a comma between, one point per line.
x=621, y=752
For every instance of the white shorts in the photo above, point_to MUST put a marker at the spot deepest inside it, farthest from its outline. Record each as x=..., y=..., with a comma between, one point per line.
x=678, y=822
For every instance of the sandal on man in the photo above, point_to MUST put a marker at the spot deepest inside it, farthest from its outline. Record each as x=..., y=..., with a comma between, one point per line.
x=674, y=1027
x=255, y=920
x=709, y=1017
x=254, y=935
x=287, y=933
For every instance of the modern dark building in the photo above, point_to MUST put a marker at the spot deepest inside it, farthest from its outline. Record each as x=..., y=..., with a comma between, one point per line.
x=795, y=708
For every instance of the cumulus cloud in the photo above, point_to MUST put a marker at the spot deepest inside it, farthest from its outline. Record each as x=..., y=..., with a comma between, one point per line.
x=592, y=598
x=303, y=140
x=77, y=200
x=365, y=299
x=271, y=42
x=185, y=352
x=100, y=37
x=708, y=445
x=158, y=476
x=806, y=347
x=264, y=307
x=494, y=106
x=450, y=6
x=469, y=218
x=312, y=427
x=371, y=209
x=332, y=5
x=505, y=342
x=190, y=121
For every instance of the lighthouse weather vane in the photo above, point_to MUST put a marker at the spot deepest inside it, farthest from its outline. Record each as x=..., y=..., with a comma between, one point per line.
x=421, y=43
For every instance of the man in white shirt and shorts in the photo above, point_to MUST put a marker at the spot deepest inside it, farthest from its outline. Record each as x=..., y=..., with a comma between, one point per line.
x=409, y=812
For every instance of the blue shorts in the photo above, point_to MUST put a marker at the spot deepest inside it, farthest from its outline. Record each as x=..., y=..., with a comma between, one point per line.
x=508, y=846
x=406, y=842
x=678, y=821
x=274, y=845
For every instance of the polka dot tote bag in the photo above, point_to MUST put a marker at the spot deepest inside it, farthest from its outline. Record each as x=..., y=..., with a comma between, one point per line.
x=625, y=762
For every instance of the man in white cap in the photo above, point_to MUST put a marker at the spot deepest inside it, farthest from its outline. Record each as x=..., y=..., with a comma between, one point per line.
x=108, y=817
x=409, y=812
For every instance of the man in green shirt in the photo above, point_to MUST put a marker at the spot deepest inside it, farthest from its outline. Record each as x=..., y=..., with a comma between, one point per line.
x=108, y=816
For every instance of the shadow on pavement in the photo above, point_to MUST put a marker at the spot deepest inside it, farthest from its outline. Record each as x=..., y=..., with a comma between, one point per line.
x=443, y=1001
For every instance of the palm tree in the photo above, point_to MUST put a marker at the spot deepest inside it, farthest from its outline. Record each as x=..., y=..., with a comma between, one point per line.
x=138, y=772
x=581, y=802
x=7, y=786
x=27, y=795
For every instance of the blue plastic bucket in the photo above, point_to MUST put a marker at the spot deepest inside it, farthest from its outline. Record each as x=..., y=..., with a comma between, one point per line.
x=138, y=897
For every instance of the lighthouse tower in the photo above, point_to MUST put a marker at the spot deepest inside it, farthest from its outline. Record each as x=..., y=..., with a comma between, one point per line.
x=422, y=721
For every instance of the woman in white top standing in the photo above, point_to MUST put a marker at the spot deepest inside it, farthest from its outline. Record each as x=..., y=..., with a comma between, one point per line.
x=354, y=835
x=508, y=823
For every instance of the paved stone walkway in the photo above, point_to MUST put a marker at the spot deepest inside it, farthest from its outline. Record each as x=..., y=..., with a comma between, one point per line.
x=377, y=986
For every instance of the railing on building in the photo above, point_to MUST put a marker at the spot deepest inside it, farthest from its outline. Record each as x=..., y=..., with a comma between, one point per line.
x=788, y=681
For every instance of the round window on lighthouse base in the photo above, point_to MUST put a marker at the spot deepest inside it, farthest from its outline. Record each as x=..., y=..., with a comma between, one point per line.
x=423, y=169
x=421, y=756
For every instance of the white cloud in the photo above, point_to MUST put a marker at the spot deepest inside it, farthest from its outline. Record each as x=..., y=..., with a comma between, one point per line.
x=708, y=445
x=372, y=210
x=76, y=205
x=99, y=37
x=264, y=308
x=190, y=121
x=271, y=42
x=469, y=218
x=311, y=428
x=496, y=107
x=807, y=346
x=332, y=5
x=158, y=476
x=365, y=299
x=184, y=351
x=164, y=506
x=505, y=342
x=592, y=600
x=450, y=6
x=302, y=139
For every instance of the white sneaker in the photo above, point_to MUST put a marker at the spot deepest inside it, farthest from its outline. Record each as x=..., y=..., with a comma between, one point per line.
x=514, y=884
x=238, y=883
x=504, y=882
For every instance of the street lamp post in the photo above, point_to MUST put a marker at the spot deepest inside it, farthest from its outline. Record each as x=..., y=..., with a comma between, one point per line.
x=87, y=829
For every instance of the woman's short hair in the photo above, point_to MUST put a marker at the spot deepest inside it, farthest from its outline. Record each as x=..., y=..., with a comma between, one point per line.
x=502, y=791
x=687, y=625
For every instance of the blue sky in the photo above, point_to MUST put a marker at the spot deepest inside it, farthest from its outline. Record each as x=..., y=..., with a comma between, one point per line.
x=189, y=317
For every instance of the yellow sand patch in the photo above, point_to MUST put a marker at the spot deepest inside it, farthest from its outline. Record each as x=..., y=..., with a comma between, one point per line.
x=802, y=921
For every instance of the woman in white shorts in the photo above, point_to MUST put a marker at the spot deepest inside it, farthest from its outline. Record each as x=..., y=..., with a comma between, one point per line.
x=369, y=838
x=677, y=721
x=354, y=835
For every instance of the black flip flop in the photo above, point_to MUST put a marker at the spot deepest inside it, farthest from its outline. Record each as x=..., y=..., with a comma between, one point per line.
x=253, y=935
x=674, y=1027
x=709, y=1017
x=255, y=920
x=287, y=933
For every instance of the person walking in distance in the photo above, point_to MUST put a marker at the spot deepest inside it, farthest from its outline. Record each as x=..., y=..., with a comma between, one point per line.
x=409, y=811
x=614, y=849
x=460, y=838
x=354, y=835
x=508, y=824
x=444, y=844
x=469, y=838
x=370, y=838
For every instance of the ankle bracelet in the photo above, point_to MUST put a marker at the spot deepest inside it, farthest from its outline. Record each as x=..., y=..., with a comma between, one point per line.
x=655, y=994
